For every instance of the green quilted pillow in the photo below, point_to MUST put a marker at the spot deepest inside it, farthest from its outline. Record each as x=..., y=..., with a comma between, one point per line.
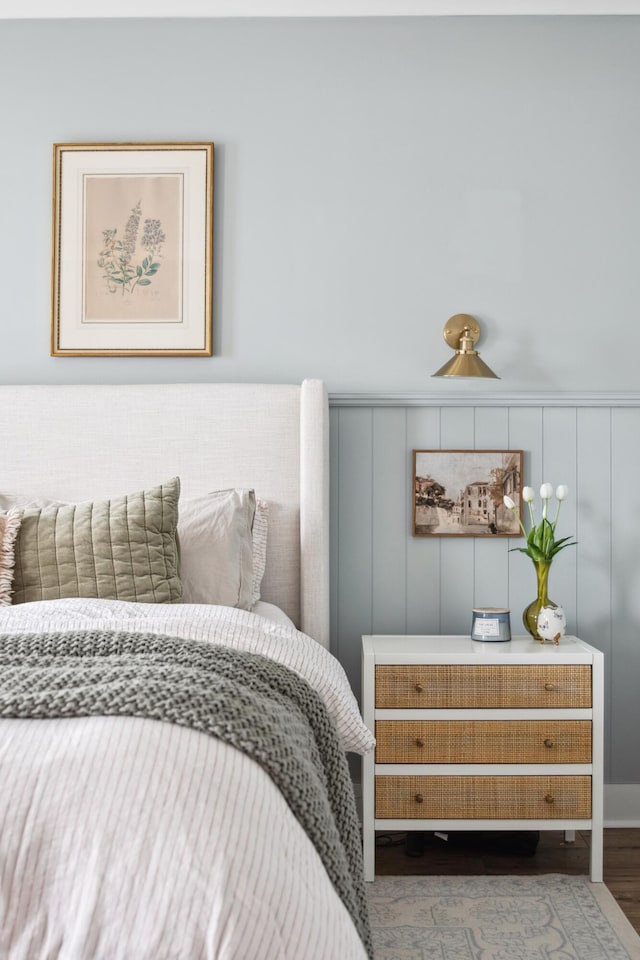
x=120, y=549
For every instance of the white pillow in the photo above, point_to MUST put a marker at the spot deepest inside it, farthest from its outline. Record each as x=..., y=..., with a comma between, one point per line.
x=259, y=538
x=216, y=548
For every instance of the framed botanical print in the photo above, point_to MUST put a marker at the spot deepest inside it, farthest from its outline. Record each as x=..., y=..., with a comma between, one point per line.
x=132, y=249
x=459, y=493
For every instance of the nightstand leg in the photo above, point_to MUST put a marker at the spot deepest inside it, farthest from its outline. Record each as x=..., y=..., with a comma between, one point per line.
x=597, y=864
x=597, y=788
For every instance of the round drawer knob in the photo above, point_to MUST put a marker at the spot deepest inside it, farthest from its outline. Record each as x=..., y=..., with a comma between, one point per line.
x=550, y=686
x=549, y=799
x=419, y=742
x=548, y=743
x=419, y=798
x=419, y=688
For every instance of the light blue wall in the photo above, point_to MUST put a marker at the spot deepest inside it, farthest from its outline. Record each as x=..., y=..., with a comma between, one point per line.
x=374, y=177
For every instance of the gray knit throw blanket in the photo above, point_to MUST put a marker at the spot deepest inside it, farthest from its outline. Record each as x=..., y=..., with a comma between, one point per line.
x=258, y=706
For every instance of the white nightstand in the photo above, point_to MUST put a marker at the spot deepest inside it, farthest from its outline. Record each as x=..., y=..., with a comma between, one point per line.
x=482, y=735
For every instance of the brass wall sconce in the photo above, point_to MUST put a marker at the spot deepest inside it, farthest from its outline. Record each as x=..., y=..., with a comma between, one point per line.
x=462, y=332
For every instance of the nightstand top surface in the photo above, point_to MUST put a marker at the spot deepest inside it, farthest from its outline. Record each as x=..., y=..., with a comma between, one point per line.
x=396, y=648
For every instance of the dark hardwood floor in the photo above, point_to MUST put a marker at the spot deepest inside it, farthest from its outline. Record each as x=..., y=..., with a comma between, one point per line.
x=482, y=854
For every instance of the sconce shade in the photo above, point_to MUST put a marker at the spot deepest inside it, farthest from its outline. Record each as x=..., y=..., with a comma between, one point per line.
x=465, y=365
x=461, y=332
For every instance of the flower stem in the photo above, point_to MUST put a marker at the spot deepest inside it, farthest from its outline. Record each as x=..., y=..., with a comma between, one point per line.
x=557, y=515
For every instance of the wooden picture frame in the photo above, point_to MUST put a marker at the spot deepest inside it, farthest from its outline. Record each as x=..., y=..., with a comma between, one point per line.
x=459, y=493
x=132, y=249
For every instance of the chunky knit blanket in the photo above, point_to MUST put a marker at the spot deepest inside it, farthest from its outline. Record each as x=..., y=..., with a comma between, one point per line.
x=258, y=706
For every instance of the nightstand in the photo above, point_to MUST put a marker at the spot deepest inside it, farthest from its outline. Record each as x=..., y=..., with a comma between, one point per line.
x=482, y=736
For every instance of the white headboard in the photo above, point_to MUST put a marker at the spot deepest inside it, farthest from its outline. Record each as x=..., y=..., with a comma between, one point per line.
x=96, y=442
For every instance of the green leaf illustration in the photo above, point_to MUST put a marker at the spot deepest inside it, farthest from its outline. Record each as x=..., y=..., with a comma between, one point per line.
x=118, y=258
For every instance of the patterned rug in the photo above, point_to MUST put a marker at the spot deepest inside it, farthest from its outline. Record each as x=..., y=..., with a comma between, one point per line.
x=552, y=917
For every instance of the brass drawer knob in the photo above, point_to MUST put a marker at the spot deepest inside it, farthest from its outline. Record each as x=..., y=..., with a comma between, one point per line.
x=419, y=798
x=550, y=686
x=419, y=742
x=419, y=688
x=549, y=799
x=548, y=743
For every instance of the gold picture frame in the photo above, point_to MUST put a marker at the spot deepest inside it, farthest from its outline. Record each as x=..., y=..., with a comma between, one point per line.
x=459, y=493
x=132, y=268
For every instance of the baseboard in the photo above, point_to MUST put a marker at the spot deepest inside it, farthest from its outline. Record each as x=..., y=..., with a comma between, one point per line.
x=621, y=804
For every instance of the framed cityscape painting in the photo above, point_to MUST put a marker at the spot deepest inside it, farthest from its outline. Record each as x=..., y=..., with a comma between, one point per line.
x=459, y=493
x=132, y=249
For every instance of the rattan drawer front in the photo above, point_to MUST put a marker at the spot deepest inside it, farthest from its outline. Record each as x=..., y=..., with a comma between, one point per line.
x=486, y=741
x=483, y=685
x=494, y=798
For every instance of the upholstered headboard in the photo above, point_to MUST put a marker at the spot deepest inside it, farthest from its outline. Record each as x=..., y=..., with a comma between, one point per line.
x=88, y=442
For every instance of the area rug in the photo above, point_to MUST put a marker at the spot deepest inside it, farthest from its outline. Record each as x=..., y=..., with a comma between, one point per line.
x=550, y=917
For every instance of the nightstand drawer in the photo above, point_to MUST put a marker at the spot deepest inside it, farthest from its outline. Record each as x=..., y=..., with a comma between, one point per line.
x=483, y=741
x=442, y=686
x=461, y=798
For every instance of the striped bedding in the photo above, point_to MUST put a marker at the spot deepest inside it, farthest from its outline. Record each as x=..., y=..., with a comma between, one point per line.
x=127, y=838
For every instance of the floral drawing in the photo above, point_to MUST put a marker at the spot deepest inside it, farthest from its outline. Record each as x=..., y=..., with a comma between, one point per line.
x=120, y=259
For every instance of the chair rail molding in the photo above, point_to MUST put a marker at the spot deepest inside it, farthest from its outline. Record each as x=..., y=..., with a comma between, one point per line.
x=539, y=399
x=44, y=9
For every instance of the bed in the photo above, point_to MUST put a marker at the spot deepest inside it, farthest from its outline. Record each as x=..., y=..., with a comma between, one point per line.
x=173, y=727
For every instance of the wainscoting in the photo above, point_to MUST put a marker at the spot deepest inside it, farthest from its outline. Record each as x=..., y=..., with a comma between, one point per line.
x=384, y=580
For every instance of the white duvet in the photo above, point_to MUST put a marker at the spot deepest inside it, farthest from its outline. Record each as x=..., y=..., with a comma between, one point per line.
x=131, y=839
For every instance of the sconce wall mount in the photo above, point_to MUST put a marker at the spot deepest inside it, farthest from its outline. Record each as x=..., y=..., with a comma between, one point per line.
x=462, y=332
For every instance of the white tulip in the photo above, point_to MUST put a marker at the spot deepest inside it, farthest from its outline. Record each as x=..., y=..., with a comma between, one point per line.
x=546, y=491
x=508, y=502
x=562, y=492
x=528, y=494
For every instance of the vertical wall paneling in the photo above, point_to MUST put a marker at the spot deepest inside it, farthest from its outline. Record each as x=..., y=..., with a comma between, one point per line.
x=423, y=553
x=383, y=579
x=625, y=618
x=334, y=508
x=559, y=466
x=491, y=554
x=355, y=534
x=389, y=534
x=593, y=553
x=525, y=433
x=457, y=583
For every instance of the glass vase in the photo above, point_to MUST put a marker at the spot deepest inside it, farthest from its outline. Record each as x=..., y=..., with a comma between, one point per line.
x=530, y=614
